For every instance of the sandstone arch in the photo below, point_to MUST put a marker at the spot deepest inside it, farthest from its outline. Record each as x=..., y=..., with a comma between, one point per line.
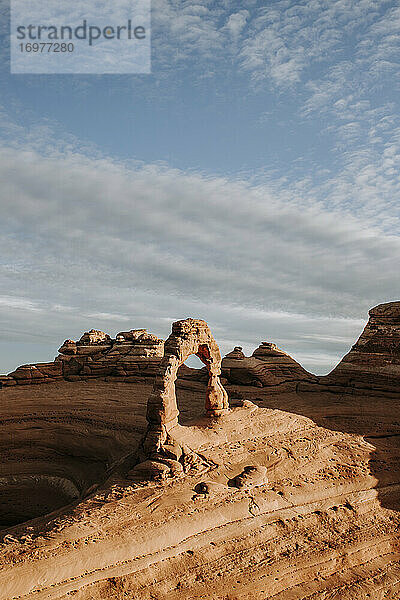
x=189, y=336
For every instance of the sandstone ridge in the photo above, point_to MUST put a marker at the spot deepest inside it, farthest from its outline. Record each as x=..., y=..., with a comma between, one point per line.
x=131, y=355
x=373, y=363
x=135, y=356
x=269, y=366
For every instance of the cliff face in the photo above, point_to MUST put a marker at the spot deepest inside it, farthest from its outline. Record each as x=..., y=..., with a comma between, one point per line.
x=374, y=360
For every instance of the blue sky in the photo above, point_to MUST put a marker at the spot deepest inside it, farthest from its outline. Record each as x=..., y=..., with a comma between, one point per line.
x=252, y=180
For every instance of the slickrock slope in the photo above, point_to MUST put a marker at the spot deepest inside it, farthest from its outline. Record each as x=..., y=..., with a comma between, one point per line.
x=324, y=523
x=58, y=440
x=285, y=496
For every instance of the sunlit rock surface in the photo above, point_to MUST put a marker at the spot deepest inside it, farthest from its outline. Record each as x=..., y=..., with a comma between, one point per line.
x=288, y=495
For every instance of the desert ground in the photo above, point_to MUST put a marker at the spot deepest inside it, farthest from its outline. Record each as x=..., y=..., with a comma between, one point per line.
x=324, y=525
x=112, y=488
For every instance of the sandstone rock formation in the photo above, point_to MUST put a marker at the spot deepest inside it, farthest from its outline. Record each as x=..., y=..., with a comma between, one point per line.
x=131, y=355
x=373, y=363
x=317, y=515
x=68, y=347
x=374, y=360
x=295, y=495
x=7, y=381
x=135, y=355
x=267, y=367
x=37, y=373
x=95, y=336
x=190, y=336
x=251, y=475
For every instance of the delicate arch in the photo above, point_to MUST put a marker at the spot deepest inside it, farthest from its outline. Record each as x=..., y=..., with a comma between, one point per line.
x=190, y=336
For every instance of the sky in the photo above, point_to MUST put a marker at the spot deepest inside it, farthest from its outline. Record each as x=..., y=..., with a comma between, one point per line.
x=252, y=180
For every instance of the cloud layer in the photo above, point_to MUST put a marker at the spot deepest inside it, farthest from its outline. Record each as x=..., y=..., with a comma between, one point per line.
x=295, y=254
x=97, y=243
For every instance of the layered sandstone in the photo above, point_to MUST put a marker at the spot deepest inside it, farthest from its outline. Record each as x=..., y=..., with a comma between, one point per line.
x=297, y=498
x=290, y=496
x=373, y=363
x=131, y=355
x=136, y=355
x=269, y=366
x=33, y=374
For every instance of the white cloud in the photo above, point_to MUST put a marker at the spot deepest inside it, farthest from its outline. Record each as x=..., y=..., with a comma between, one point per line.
x=12, y=302
x=236, y=23
x=104, y=316
x=113, y=242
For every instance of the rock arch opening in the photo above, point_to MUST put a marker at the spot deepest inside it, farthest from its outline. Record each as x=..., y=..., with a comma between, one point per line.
x=194, y=362
x=189, y=337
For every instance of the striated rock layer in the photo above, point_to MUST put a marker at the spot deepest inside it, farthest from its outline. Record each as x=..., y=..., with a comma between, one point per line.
x=285, y=496
x=269, y=366
x=136, y=355
x=296, y=498
x=373, y=363
x=131, y=355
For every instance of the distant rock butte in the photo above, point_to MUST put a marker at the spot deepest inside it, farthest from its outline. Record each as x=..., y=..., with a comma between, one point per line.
x=132, y=354
x=267, y=367
x=135, y=356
